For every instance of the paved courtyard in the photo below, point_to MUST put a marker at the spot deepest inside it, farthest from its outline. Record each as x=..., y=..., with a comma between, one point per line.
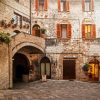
x=53, y=90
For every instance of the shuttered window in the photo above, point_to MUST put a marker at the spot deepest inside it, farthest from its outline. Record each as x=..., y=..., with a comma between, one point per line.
x=87, y=5
x=41, y=5
x=88, y=31
x=63, y=5
x=64, y=31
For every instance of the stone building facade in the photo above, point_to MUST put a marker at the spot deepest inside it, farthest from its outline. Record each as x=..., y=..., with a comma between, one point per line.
x=65, y=35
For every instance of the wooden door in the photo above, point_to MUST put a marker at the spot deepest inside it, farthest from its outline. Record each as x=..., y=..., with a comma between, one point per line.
x=69, y=69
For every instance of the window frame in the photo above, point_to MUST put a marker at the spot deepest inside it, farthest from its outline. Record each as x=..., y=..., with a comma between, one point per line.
x=68, y=31
x=89, y=6
x=67, y=6
x=85, y=31
x=88, y=33
x=41, y=5
x=63, y=5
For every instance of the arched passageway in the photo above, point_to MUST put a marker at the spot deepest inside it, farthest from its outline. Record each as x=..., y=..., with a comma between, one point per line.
x=25, y=64
x=45, y=67
x=20, y=67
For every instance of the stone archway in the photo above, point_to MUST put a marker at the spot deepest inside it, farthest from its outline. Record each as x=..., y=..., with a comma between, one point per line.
x=25, y=60
x=20, y=67
x=24, y=44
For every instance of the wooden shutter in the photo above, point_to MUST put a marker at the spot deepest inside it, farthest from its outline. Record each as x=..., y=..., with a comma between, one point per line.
x=59, y=9
x=92, y=5
x=58, y=30
x=67, y=5
x=93, y=31
x=20, y=21
x=83, y=31
x=36, y=5
x=45, y=5
x=83, y=5
x=69, y=31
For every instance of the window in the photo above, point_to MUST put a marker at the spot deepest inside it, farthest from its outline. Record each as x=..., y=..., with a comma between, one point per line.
x=36, y=30
x=88, y=5
x=88, y=31
x=17, y=19
x=41, y=5
x=63, y=5
x=64, y=31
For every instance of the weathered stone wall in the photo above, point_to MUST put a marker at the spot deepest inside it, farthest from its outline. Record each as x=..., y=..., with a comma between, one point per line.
x=4, y=66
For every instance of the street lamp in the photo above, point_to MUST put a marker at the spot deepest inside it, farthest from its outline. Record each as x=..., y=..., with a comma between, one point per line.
x=30, y=18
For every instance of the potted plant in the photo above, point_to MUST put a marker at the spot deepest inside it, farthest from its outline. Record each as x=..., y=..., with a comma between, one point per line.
x=2, y=23
x=12, y=21
x=14, y=25
x=4, y=37
x=42, y=30
x=85, y=67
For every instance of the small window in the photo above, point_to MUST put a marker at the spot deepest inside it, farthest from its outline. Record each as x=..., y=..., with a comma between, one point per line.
x=64, y=31
x=41, y=5
x=87, y=5
x=63, y=5
x=17, y=19
x=88, y=31
x=36, y=30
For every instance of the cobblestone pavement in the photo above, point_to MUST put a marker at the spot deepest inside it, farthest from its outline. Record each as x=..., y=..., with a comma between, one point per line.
x=53, y=90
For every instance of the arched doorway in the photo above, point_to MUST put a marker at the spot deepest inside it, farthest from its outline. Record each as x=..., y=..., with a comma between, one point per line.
x=20, y=67
x=36, y=30
x=93, y=70
x=45, y=67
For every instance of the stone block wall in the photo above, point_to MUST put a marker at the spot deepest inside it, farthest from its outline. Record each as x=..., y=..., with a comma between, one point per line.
x=4, y=66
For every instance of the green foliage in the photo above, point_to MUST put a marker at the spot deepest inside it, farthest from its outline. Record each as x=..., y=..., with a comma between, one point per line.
x=42, y=30
x=5, y=37
x=85, y=67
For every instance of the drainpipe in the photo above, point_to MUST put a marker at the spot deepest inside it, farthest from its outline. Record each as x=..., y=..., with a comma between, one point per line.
x=9, y=66
x=30, y=19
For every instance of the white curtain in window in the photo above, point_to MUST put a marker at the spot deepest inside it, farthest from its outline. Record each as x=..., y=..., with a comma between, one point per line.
x=63, y=31
x=48, y=69
x=42, y=68
x=87, y=6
